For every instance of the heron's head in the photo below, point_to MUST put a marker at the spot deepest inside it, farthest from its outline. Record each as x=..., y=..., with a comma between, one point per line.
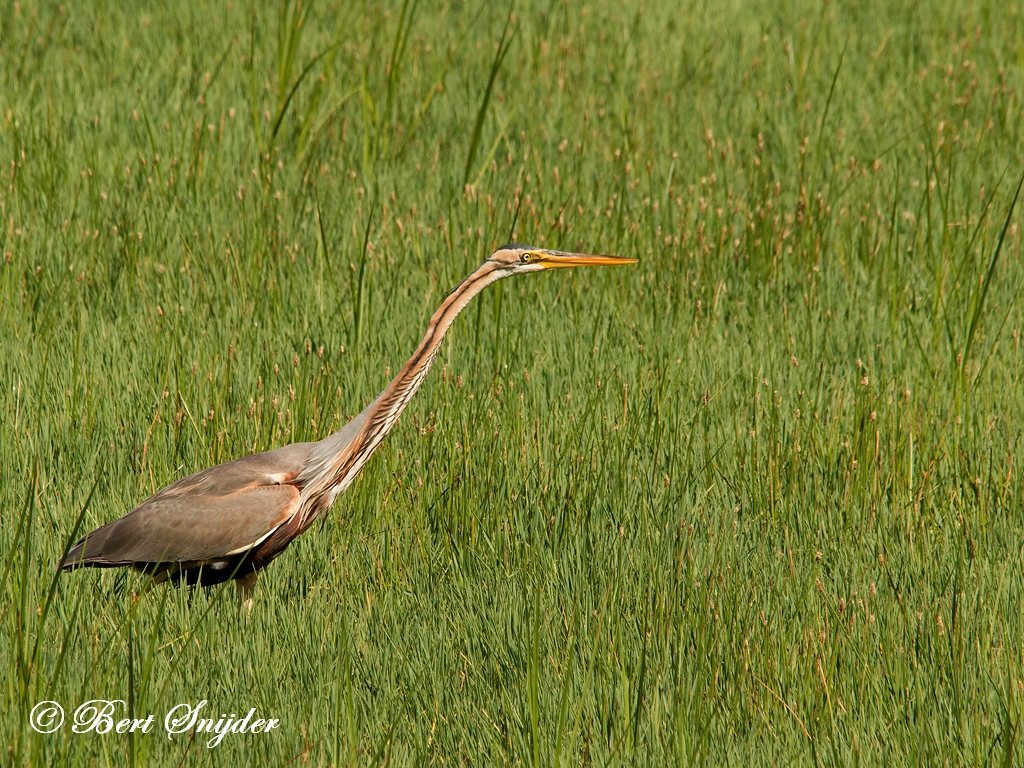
x=516, y=258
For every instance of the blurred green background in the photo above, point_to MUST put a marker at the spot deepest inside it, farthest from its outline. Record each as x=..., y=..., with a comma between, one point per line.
x=756, y=500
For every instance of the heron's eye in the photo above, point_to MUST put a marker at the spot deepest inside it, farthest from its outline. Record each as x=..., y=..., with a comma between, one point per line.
x=526, y=258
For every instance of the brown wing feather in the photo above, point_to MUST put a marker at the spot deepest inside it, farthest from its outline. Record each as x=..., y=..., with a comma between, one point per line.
x=216, y=512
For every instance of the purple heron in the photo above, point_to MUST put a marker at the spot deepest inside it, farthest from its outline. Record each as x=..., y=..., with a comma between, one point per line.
x=232, y=520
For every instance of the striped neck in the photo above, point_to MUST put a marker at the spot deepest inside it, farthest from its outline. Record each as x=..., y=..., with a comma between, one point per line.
x=340, y=457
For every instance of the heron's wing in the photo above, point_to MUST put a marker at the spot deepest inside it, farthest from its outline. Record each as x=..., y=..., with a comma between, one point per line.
x=214, y=513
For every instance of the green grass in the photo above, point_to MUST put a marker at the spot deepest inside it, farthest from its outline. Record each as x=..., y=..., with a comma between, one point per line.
x=754, y=501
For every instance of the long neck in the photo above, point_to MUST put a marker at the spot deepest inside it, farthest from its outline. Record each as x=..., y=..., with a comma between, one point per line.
x=344, y=454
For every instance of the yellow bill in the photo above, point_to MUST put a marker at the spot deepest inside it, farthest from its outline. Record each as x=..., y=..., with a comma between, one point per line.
x=560, y=259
